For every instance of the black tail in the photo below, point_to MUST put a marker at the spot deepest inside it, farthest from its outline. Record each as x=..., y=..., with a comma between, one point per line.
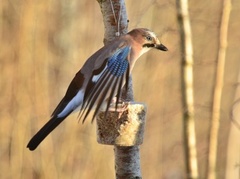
x=44, y=131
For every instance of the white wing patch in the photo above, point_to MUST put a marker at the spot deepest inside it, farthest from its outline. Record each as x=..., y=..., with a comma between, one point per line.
x=96, y=77
x=73, y=104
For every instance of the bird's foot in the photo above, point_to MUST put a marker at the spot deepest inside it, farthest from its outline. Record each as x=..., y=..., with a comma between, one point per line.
x=120, y=107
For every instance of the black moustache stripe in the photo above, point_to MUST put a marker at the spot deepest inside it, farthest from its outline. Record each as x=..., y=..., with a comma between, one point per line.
x=148, y=45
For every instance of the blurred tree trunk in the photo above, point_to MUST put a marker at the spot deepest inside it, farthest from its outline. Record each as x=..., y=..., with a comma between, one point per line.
x=187, y=89
x=233, y=150
x=217, y=96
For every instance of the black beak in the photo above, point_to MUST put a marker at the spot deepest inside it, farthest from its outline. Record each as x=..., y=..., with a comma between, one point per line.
x=161, y=47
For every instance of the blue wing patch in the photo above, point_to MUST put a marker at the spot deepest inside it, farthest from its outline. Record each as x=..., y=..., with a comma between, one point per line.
x=118, y=63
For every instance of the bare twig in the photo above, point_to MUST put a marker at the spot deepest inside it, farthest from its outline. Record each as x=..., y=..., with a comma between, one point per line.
x=214, y=129
x=187, y=89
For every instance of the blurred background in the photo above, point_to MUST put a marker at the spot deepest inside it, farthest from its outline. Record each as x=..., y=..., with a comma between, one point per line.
x=44, y=43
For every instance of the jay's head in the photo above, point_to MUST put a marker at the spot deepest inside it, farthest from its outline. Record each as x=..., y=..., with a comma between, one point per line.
x=147, y=39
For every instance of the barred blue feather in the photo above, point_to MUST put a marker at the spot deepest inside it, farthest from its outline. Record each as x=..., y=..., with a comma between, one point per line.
x=118, y=63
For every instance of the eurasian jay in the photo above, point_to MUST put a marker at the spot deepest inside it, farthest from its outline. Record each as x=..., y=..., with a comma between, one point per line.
x=101, y=79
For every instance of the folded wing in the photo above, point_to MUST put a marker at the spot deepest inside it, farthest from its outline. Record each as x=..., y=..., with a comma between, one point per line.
x=107, y=83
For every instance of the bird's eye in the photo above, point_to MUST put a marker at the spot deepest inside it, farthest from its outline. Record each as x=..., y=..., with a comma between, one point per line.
x=149, y=38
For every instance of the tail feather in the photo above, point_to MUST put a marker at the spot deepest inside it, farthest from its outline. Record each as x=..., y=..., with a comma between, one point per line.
x=44, y=131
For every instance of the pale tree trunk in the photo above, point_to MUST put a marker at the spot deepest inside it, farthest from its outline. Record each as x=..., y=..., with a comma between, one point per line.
x=187, y=89
x=217, y=96
x=114, y=18
x=127, y=156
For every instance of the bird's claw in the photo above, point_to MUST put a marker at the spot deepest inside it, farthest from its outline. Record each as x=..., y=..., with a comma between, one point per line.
x=120, y=108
